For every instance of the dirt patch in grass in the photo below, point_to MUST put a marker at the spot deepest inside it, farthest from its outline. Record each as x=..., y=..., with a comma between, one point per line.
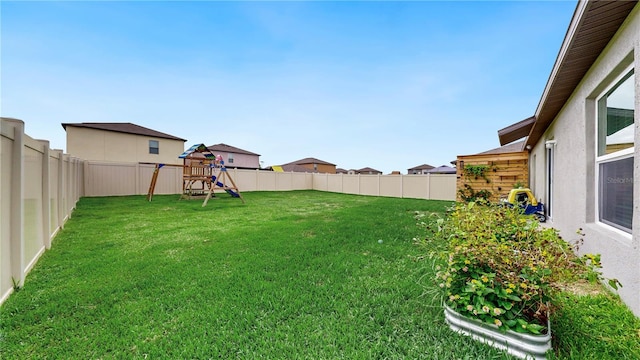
x=584, y=288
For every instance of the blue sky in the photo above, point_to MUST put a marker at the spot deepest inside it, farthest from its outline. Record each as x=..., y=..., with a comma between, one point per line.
x=387, y=85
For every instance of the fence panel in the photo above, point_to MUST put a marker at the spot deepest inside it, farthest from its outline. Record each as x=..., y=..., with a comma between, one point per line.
x=391, y=185
x=54, y=183
x=8, y=192
x=442, y=187
x=32, y=201
x=301, y=181
x=416, y=186
x=112, y=179
x=351, y=184
x=39, y=188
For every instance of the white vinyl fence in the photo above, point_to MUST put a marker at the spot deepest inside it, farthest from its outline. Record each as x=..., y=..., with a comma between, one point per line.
x=108, y=179
x=39, y=188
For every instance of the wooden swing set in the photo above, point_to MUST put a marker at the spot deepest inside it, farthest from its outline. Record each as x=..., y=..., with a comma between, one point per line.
x=202, y=174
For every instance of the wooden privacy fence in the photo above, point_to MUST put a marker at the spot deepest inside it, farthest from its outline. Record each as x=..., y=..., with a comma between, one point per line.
x=493, y=175
x=39, y=188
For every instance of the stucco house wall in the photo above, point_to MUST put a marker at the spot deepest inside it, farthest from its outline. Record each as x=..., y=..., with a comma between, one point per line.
x=241, y=160
x=235, y=157
x=572, y=138
x=101, y=145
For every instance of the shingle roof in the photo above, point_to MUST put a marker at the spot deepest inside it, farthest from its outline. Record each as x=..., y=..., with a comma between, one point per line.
x=442, y=169
x=229, y=149
x=368, y=170
x=126, y=128
x=513, y=147
x=422, y=167
x=309, y=160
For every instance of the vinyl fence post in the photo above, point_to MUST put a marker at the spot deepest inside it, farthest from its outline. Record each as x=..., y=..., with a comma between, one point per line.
x=46, y=195
x=17, y=204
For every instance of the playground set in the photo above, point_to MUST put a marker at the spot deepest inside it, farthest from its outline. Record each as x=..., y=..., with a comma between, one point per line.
x=202, y=174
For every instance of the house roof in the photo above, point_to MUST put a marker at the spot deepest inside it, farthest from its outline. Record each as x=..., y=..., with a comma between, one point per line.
x=368, y=170
x=593, y=25
x=516, y=131
x=126, y=128
x=229, y=149
x=309, y=160
x=442, y=169
x=422, y=167
x=513, y=147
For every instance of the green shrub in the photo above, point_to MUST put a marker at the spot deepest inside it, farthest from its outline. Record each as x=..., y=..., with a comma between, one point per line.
x=501, y=267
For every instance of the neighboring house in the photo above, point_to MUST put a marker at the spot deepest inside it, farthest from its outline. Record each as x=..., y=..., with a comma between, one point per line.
x=341, y=171
x=583, y=159
x=368, y=171
x=421, y=169
x=235, y=157
x=122, y=142
x=310, y=165
x=442, y=169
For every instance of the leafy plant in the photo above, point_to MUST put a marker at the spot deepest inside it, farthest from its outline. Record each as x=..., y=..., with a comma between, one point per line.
x=502, y=268
x=477, y=170
x=468, y=194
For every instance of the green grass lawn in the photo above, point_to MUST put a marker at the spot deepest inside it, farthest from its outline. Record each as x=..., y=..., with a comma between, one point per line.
x=288, y=275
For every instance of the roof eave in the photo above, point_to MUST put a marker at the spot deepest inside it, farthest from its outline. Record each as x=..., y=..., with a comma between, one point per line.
x=564, y=78
x=516, y=131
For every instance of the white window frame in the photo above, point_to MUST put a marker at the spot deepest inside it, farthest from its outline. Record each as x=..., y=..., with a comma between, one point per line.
x=230, y=158
x=550, y=154
x=615, y=156
x=157, y=147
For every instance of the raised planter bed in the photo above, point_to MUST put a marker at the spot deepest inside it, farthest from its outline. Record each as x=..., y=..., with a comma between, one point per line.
x=524, y=346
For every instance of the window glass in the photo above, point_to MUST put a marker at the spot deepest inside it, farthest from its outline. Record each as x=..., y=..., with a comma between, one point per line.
x=616, y=193
x=615, y=117
x=154, y=147
x=230, y=158
x=615, y=143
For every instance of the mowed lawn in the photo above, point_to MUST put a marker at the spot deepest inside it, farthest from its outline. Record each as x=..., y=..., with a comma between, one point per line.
x=288, y=275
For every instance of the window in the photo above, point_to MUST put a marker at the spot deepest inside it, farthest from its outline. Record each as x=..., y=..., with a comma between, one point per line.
x=230, y=158
x=154, y=147
x=550, y=146
x=614, y=160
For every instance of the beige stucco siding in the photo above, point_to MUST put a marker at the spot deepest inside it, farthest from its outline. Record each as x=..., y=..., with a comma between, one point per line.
x=575, y=188
x=100, y=145
x=240, y=160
